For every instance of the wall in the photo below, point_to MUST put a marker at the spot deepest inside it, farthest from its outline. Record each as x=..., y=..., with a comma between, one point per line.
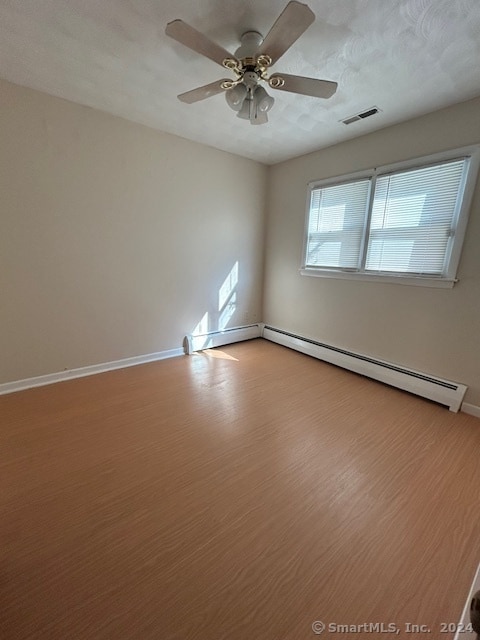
x=432, y=330
x=115, y=239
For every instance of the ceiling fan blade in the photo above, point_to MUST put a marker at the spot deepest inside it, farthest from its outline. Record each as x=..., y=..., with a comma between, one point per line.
x=289, y=26
x=200, y=93
x=305, y=86
x=193, y=39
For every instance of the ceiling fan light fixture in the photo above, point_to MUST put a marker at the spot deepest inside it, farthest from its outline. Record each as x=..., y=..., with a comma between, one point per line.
x=251, y=64
x=264, y=101
x=246, y=108
x=235, y=96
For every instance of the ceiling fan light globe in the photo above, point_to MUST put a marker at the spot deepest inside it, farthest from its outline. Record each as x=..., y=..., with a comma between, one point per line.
x=266, y=104
x=244, y=112
x=235, y=97
x=264, y=101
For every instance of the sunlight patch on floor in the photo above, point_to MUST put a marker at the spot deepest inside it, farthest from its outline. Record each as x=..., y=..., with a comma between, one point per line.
x=216, y=353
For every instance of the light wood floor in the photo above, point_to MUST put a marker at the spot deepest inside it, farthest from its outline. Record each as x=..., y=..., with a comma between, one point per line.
x=240, y=494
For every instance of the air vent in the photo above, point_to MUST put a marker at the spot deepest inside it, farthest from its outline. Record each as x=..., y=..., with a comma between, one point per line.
x=361, y=116
x=350, y=120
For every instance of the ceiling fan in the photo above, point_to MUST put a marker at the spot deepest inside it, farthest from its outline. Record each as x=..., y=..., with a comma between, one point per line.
x=251, y=64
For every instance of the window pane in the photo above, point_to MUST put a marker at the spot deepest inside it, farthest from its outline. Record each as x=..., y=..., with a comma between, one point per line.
x=413, y=218
x=336, y=225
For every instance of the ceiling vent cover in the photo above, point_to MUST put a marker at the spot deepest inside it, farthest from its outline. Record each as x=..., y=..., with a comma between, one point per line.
x=361, y=116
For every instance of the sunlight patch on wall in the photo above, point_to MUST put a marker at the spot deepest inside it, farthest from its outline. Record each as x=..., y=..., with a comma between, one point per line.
x=199, y=334
x=218, y=318
x=202, y=326
x=227, y=297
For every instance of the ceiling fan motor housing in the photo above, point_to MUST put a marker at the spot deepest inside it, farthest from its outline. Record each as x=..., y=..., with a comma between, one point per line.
x=251, y=41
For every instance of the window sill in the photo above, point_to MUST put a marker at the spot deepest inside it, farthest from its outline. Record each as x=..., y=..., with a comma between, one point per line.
x=417, y=281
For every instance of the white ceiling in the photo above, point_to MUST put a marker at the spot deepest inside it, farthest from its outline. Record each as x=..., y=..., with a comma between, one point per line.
x=407, y=57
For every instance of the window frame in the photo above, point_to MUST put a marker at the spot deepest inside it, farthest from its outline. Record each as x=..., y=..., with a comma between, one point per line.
x=453, y=251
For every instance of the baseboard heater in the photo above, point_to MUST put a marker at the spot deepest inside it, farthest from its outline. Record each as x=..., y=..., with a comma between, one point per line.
x=442, y=391
x=219, y=338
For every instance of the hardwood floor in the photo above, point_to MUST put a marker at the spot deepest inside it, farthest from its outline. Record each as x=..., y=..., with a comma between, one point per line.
x=242, y=493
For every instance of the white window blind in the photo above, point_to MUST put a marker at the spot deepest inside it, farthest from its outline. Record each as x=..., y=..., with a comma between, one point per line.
x=336, y=225
x=393, y=222
x=413, y=219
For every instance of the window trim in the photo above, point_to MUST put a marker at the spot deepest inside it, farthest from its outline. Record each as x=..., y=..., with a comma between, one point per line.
x=453, y=252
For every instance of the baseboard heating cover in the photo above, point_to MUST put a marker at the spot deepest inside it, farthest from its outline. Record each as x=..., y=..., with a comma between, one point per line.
x=442, y=391
x=219, y=338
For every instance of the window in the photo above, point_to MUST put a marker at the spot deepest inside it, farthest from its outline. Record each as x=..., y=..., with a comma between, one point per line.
x=405, y=223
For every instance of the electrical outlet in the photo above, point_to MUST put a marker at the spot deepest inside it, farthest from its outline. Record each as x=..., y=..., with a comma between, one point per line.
x=465, y=619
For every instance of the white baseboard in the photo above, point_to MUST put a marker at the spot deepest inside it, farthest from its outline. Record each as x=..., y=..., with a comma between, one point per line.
x=51, y=378
x=471, y=409
x=219, y=338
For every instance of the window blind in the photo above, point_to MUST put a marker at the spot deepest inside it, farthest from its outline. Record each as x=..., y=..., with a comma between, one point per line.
x=336, y=225
x=413, y=218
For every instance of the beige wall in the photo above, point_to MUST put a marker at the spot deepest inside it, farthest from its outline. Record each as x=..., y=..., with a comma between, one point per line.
x=114, y=238
x=434, y=330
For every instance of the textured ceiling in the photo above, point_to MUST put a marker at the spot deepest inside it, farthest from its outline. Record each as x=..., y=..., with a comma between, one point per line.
x=407, y=57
